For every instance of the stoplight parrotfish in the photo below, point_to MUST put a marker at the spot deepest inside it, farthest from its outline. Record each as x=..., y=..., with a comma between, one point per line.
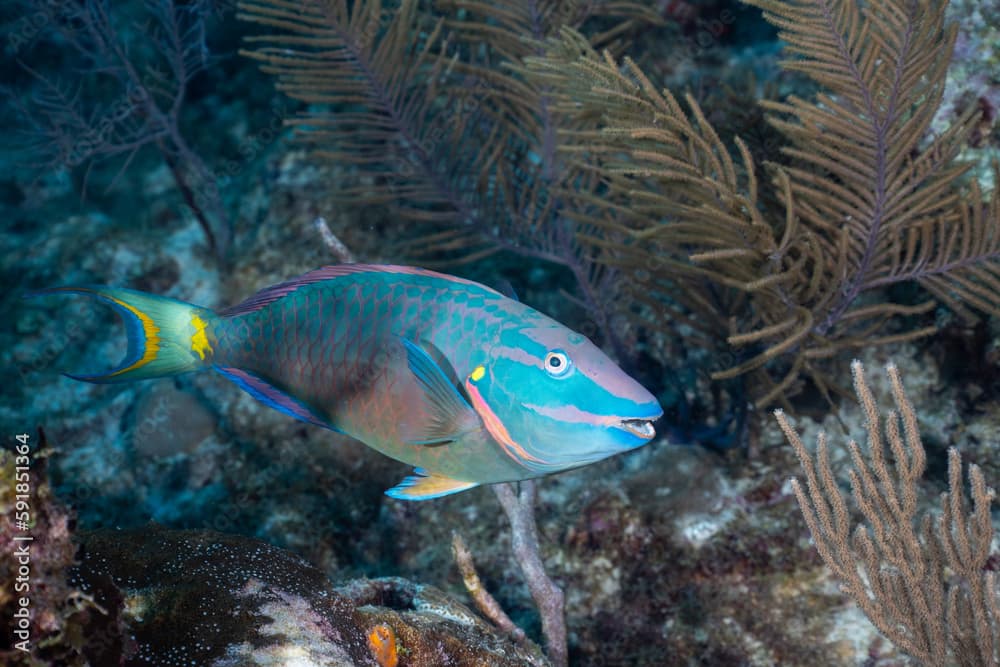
x=448, y=375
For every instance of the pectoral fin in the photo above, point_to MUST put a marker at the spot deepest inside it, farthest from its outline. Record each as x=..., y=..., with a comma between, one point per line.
x=424, y=486
x=450, y=415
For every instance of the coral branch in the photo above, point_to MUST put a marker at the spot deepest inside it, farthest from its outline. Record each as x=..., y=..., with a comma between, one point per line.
x=335, y=245
x=924, y=585
x=485, y=602
x=149, y=87
x=520, y=509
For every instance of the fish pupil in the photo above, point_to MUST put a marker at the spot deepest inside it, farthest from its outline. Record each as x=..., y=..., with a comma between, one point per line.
x=556, y=363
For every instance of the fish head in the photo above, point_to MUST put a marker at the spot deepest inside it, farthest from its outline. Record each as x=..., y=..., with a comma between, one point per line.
x=553, y=400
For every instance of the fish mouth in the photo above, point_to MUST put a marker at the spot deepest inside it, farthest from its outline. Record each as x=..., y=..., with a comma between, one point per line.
x=640, y=428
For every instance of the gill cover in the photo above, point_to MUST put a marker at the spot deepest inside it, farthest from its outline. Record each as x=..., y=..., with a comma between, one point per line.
x=479, y=386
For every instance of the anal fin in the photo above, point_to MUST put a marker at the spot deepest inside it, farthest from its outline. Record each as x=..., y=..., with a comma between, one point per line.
x=426, y=486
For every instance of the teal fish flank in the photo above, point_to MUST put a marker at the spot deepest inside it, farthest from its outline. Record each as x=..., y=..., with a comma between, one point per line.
x=443, y=373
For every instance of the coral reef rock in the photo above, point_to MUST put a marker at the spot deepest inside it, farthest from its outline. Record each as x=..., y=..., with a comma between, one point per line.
x=207, y=598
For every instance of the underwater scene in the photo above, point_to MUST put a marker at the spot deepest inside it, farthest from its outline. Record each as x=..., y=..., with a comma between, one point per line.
x=525, y=332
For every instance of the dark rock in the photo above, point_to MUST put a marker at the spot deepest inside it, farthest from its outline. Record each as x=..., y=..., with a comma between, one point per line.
x=207, y=598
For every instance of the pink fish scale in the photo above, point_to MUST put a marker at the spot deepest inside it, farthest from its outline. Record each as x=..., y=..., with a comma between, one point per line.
x=311, y=348
x=303, y=319
x=323, y=346
x=286, y=342
x=352, y=342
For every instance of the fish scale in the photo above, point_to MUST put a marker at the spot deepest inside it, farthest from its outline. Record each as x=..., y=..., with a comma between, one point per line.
x=367, y=317
x=443, y=373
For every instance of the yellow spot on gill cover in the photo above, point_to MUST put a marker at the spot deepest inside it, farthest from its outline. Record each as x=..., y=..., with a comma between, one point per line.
x=199, y=341
x=151, y=339
x=382, y=642
x=478, y=374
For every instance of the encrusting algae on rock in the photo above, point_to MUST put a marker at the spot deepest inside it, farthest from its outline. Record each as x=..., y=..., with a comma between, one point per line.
x=46, y=615
x=382, y=641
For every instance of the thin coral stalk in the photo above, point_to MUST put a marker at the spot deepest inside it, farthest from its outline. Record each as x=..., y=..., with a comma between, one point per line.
x=485, y=603
x=520, y=509
x=333, y=244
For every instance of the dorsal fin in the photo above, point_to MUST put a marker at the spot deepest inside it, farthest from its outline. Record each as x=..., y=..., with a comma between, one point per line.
x=506, y=288
x=275, y=292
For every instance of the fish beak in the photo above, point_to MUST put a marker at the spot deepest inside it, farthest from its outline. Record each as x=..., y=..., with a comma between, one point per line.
x=640, y=428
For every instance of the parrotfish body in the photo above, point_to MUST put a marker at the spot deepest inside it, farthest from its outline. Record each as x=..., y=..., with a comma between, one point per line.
x=445, y=374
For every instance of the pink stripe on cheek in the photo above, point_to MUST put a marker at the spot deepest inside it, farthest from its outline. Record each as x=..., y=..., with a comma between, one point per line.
x=497, y=429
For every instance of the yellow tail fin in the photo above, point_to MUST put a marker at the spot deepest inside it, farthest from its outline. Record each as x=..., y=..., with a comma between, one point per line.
x=165, y=336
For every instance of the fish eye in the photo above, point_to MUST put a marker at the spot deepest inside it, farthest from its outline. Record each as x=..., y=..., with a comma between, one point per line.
x=557, y=363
